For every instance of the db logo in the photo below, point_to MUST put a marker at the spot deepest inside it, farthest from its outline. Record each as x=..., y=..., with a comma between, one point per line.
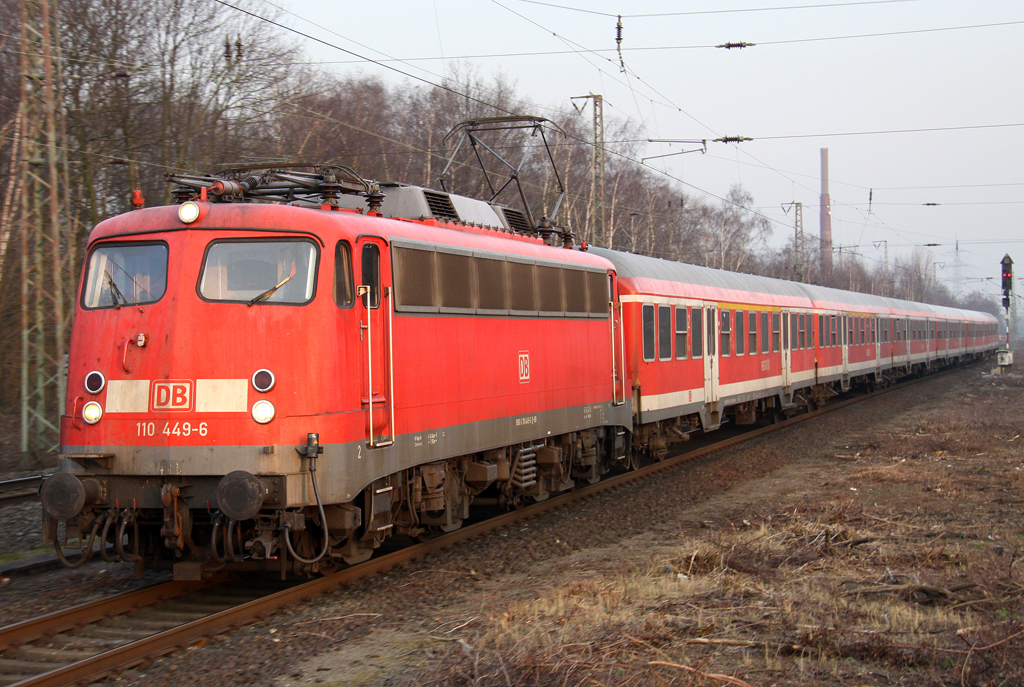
x=524, y=367
x=173, y=394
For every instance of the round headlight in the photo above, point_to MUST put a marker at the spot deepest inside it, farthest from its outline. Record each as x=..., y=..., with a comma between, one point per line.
x=263, y=411
x=263, y=380
x=92, y=412
x=94, y=382
x=188, y=212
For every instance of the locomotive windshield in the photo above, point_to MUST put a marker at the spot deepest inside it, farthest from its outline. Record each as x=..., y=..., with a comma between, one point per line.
x=125, y=274
x=259, y=272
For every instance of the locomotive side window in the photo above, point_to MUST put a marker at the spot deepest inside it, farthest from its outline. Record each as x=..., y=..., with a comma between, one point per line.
x=343, y=289
x=549, y=288
x=455, y=279
x=521, y=298
x=696, y=333
x=414, y=278
x=752, y=332
x=250, y=271
x=648, y=326
x=576, y=291
x=680, y=333
x=371, y=272
x=490, y=277
x=125, y=274
x=664, y=332
x=739, y=332
x=725, y=333
x=599, y=292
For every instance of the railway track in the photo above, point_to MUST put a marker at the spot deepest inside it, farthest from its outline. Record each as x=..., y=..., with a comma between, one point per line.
x=88, y=642
x=14, y=491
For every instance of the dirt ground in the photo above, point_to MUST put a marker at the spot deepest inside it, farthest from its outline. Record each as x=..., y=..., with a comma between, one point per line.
x=879, y=545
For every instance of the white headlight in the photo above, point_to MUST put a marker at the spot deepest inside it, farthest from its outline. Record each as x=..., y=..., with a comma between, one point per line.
x=263, y=412
x=92, y=412
x=188, y=212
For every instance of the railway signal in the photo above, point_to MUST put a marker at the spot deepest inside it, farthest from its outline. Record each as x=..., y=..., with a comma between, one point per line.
x=1007, y=264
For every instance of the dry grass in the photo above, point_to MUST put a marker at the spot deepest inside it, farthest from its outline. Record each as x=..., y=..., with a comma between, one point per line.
x=906, y=568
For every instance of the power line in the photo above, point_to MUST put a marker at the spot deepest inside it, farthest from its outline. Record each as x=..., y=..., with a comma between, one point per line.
x=890, y=131
x=726, y=11
x=613, y=51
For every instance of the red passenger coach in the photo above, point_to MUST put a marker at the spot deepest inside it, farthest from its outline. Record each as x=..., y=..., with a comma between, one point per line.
x=288, y=367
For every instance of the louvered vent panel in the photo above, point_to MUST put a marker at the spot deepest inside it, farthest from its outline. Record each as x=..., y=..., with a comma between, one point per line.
x=441, y=206
x=517, y=221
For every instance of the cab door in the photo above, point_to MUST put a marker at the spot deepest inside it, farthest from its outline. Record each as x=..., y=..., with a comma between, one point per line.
x=374, y=295
x=711, y=354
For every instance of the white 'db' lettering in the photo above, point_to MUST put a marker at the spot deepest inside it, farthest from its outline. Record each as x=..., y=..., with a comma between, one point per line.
x=524, y=367
x=173, y=394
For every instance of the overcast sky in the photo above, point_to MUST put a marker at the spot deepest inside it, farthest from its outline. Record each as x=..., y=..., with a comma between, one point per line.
x=814, y=70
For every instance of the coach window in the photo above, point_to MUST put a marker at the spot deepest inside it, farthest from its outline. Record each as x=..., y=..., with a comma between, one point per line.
x=765, y=334
x=739, y=332
x=696, y=333
x=680, y=333
x=821, y=331
x=343, y=274
x=789, y=330
x=648, y=325
x=752, y=333
x=802, y=331
x=664, y=332
x=775, y=332
x=726, y=333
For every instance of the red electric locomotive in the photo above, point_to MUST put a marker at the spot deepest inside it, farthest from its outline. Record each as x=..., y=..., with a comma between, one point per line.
x=256, y=384
x=283, y=386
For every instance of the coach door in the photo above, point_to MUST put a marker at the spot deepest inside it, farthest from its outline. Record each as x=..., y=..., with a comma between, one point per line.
x=375, y=318
x=788, y=318
x=618, y=346
x=711, y=354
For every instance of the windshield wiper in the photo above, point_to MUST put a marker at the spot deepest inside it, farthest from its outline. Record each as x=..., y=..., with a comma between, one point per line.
x=269, y=292
x=115, y=293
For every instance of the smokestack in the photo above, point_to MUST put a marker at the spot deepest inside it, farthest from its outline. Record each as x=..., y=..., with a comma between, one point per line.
x=826, y=221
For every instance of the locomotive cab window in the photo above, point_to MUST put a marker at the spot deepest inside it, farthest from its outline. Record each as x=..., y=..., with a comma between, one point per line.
x=343, y=289
x=371, y=273
x=125, y=274
x=256, y=271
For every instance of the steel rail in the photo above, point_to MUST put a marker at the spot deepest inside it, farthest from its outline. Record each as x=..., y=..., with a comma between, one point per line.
x=14, y=491
x=134, y=653
x=27, y=631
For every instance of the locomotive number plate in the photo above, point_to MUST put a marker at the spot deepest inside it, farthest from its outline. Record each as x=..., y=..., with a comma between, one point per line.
x=176, y=429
